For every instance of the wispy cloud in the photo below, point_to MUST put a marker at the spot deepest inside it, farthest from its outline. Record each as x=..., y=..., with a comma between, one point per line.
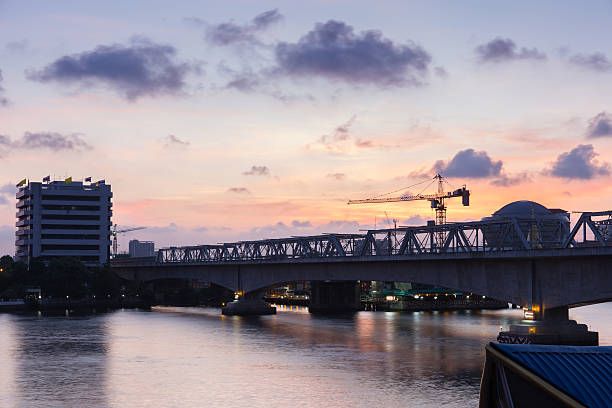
x=600, y=126
x=7, y=193
x=257, y=171
x=504, y=49
x=337, y=176
x=238, y=190
x=339, y=140
x=17, y=46
x=3, y=100
x=506, y=180
x=230, y=33
x=597, y=61
x=46, y=140
x=172, y=140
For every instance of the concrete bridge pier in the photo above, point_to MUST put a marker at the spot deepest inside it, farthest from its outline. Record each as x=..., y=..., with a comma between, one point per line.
x=249, y=304
x=333, y=297
x=550, y=325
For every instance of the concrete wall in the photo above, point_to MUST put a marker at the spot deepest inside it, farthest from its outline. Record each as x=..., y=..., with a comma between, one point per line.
x=544, y=281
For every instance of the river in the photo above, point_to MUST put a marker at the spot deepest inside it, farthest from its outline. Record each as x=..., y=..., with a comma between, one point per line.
x=194, y=357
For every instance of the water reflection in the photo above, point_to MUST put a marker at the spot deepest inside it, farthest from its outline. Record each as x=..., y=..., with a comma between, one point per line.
x=194, y=357
x=59, y=361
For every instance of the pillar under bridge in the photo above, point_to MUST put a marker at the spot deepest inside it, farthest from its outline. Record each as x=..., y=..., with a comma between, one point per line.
x=332, y=297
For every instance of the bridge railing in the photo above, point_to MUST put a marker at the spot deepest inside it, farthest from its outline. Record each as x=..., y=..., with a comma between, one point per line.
x=469, y=237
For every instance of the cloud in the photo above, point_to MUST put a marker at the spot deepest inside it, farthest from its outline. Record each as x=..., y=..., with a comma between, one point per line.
x=17, y=46
x=230, y=33
x=470, y=164
x=415, y=220
x=244, y=82
x=8, y=188
x=596, y=62
x=172, y=140
x=3, y=100
x=301, y=224
x=600, y=126
x=238, y=190
x=505, y=180
x=338, y=140
x=304, y=228
x=504, y=49
x=333, y=50
x=337, y=176
x=257, y=171
x=7, y=193
x=579, y=163
x=52, y=140
x=143, y=68
x=46, y=140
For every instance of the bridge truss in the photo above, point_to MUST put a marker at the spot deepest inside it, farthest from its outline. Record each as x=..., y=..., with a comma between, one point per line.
x=469, y=237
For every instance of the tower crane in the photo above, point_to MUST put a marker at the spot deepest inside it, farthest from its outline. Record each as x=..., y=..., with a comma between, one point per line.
x=437, y=200
x=115, y=231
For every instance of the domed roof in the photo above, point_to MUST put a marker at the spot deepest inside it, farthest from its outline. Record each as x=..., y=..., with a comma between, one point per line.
x=522, y=209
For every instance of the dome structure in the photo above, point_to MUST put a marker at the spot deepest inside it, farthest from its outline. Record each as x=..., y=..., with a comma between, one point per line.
x=538, y=225
x=523, y=209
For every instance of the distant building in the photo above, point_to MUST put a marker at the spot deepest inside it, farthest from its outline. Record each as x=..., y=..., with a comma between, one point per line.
x=64, y=218
x=141, y=248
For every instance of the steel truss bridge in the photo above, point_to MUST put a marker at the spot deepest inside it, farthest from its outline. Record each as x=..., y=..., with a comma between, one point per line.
x=482, y=237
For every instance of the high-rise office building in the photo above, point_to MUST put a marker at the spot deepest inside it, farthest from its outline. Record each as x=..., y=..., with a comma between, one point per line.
x=64, y=218
x=141, y=248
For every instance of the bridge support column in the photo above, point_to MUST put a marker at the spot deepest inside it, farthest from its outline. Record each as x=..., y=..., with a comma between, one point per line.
x=334, y=297
x=250, y=304
x=550, y=325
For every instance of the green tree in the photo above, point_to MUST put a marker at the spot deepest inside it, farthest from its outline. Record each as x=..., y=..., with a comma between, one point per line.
x=65, y=276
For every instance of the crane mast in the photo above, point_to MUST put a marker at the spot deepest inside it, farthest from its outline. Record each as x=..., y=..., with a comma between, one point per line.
x=115, y=231
x=437, y=201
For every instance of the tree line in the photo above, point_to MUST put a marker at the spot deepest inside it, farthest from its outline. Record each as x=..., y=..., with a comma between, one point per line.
x=58, y=278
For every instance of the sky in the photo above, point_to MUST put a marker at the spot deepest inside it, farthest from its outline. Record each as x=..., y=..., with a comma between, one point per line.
x=234, y=120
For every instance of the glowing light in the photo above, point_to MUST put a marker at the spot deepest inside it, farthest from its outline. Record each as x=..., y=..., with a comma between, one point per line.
x=529, y=315
x=390, y=298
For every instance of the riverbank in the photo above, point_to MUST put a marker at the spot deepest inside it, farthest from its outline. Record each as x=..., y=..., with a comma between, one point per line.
x=68, y=304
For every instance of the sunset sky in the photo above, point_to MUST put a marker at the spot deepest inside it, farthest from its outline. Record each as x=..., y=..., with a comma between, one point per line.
x=221, y=121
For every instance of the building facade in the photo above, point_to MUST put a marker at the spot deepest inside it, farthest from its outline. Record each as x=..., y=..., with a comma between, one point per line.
x=141, y=248
x=64, y=218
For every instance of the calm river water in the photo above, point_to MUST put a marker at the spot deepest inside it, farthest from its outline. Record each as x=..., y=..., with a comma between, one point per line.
x=194, y=357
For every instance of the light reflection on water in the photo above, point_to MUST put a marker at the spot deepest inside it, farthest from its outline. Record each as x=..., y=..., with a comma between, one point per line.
x=193, y=357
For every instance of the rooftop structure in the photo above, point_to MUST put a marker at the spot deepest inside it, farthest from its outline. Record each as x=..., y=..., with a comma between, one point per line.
x=63, y=218
x=141, y=248
x=528, y=375
x=542, y=227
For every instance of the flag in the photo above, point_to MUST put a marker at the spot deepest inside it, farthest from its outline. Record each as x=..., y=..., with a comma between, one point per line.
x=88, y=179
x=21, y=183
x=46, y=179
x=68, y=180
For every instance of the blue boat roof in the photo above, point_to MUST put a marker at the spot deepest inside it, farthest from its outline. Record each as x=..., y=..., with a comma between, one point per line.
x=583, y=372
